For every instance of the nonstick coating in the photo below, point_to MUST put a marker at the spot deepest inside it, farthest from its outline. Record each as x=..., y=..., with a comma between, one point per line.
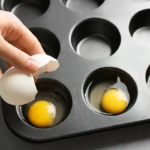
x=116, y=21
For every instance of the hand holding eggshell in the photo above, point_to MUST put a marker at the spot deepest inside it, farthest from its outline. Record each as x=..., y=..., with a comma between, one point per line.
x=18, y=88
x=18, y=44
x=21, y=49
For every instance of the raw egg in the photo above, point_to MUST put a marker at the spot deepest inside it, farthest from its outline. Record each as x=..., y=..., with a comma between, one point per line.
x=42, y=113
x=114, y=101
x=116, y=98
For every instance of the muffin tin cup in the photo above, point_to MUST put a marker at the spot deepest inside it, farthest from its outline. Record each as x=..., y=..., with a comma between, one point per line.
x=50, y=91
x=109, y=75
x=64, y=34
x=82, y=6
x=95, y=39
x=26, y=9
x=48, y=40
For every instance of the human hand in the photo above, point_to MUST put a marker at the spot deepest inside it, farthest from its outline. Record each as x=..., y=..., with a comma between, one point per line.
x=17, y=44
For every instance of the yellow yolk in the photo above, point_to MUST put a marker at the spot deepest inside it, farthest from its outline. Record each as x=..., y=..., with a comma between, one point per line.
x=114, y=101
x=41, y=113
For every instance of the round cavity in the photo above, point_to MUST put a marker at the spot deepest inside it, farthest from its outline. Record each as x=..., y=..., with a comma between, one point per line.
x=26, y=9
x=82, y=5
x=50, y=91
x=48, y=40
x=103, y=80
x=99, y=47
x=140, y=28
x=95, y=39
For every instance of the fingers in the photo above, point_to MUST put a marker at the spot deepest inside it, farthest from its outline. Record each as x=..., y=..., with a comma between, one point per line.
x=29, y=41
x=13, y=30
x=16, y=57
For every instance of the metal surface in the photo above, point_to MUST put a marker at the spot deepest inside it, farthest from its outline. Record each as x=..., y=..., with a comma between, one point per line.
x=129, y=56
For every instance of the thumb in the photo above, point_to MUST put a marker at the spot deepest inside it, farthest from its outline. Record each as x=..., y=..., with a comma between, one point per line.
x=16, y=57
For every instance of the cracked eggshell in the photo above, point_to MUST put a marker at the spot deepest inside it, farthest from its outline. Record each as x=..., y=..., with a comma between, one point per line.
x=46, y=64
x=17, y=88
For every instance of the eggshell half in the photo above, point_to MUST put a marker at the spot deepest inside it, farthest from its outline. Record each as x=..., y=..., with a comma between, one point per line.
x=46, y=64
x=17, y=88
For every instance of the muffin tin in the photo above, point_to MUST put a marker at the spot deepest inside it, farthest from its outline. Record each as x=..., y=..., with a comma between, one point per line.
x=93, y=40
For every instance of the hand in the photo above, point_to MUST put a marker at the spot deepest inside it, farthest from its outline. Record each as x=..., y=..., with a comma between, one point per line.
x=17, y=43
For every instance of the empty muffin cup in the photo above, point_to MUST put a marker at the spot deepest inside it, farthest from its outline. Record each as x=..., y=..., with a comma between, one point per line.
x=48, y=40
x=140, y=28
x=95, y=39
x=51, y=106
x=26, y=9
x=82, y=5
x=109, y=91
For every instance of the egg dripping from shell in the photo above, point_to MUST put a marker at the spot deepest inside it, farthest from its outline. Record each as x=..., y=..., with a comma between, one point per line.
x=18, y=88
x=116, y=98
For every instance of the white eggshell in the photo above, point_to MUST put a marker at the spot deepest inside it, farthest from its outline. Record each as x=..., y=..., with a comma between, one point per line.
x=17, y=88
x=46, y=64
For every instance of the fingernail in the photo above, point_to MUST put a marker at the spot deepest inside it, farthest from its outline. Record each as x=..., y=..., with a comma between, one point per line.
x=31, y=65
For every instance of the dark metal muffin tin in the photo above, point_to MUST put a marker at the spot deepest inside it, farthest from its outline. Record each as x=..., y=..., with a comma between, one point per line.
x=60, y=29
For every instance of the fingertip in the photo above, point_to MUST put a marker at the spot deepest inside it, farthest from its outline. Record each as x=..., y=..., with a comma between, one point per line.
x=31, y=65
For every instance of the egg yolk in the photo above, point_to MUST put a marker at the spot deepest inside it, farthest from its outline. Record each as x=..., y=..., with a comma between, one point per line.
x=41, y=114
x=114, y=101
